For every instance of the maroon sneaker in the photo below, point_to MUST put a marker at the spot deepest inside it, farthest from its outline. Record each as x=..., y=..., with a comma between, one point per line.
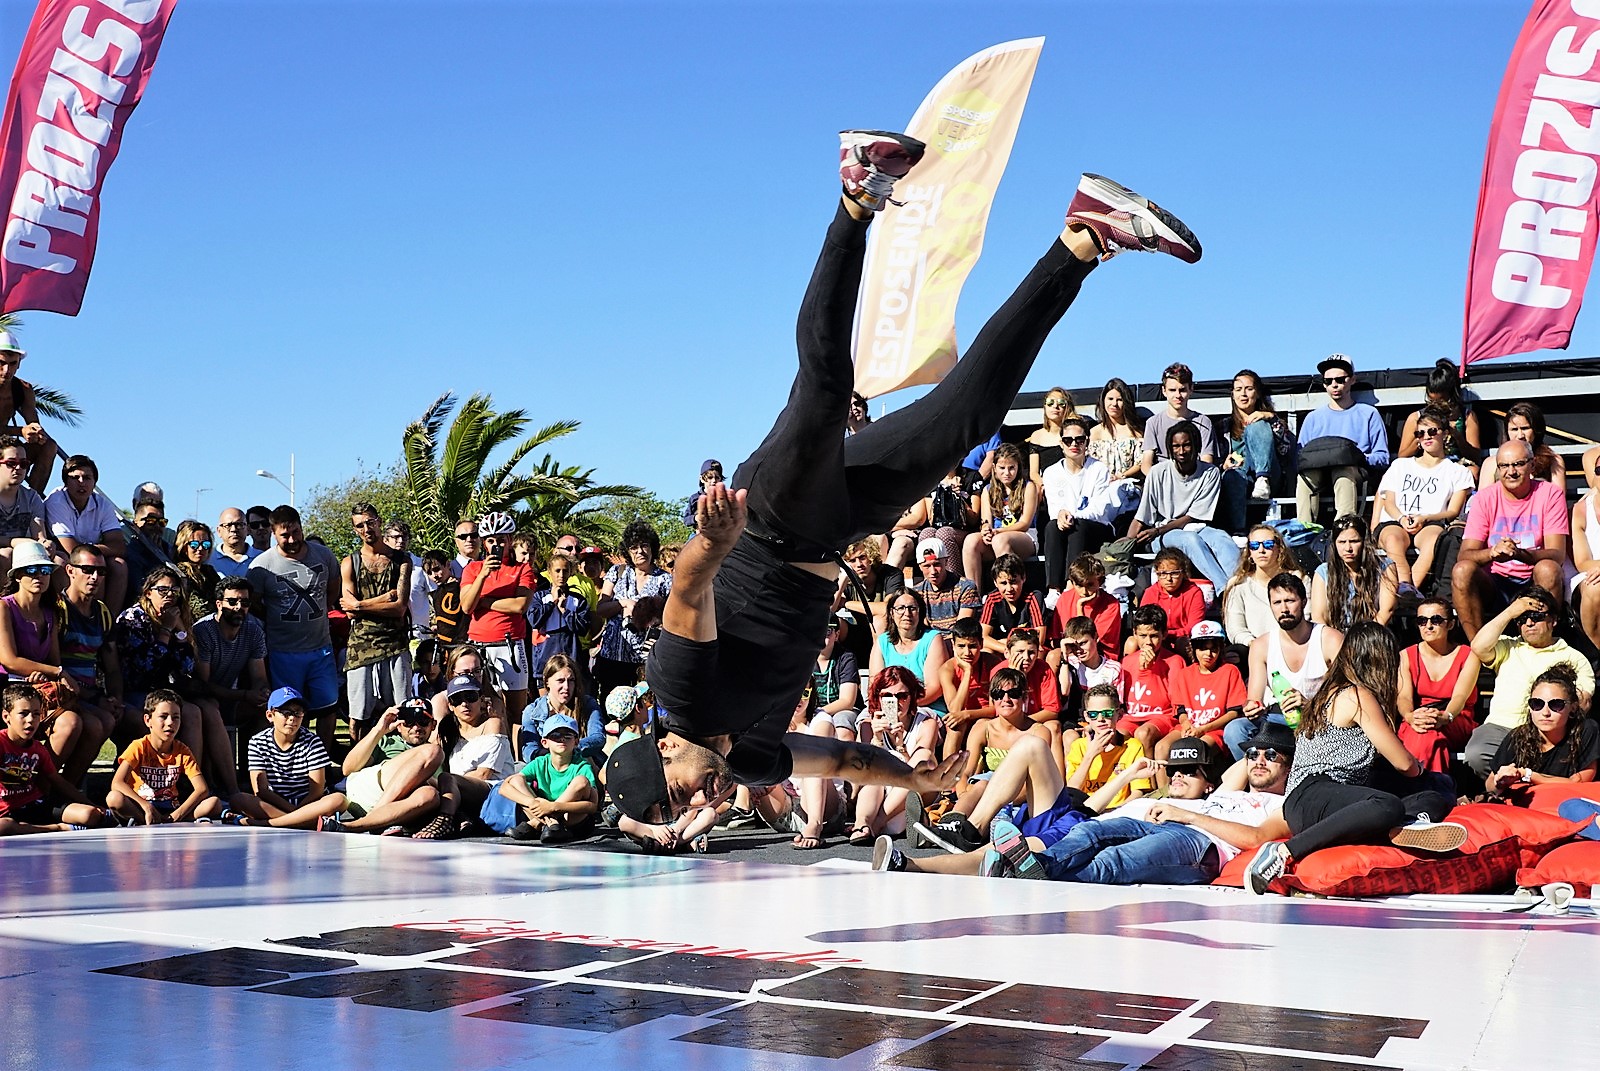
x=871, y=160
x=1120, y=219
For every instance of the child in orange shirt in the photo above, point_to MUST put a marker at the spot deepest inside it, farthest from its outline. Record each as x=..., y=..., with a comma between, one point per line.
x=145, y=787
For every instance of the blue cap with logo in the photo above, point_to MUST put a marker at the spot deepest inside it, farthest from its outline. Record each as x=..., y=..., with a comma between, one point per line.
x=281, y=697
x=559, y=721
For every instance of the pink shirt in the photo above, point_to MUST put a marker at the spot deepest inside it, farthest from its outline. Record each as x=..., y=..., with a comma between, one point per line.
x=1527, y=522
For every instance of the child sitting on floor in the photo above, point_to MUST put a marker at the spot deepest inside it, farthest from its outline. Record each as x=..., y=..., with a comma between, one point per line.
x=28, y=773
x=145, y=788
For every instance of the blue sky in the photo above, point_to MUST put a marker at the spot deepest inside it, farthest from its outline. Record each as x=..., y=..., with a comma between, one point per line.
x=326, y=213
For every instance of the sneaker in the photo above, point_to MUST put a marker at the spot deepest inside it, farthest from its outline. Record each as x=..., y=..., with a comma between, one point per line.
x=1425, y=836
x=871, y=160
x=330, y=824
x=524, y=831
x=1267, y=867
x=995, y=865
x=1120, y=220
x=739, y=818
x=1013, y=846
x=885, y=856
x=231, y=817
x=1051, y=597
x=958, y=830
x=1261, y=490
x=556, y=835
x=915, y=819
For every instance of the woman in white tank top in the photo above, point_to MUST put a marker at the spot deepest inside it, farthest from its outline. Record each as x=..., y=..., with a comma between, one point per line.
x=1584, y=585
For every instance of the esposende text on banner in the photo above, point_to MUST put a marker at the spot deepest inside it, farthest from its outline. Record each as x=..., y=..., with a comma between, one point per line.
x=1533, y=243
x=83, y=68
x=920, y=254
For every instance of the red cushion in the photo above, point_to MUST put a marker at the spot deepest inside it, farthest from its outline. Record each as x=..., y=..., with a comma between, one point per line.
x=1549, y=798
x=1578, y=864
x=1233, y=873
x=1536, y=831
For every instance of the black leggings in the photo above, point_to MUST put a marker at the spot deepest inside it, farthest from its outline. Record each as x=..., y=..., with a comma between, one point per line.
x=813, y=490
x=1061, y=549
x=1321, y=812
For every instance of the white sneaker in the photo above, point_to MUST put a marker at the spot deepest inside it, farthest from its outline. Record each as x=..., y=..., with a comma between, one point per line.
x=1262, y=490
x=1051, y=597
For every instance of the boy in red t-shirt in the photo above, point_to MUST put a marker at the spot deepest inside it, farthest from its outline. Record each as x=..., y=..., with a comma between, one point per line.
x=1208, y=694
x=145, y=786
x=964, y=678
x=28, y=773
x=1087, y=597
x=1178, y=595
x=1044, y=693
x=1147, y=672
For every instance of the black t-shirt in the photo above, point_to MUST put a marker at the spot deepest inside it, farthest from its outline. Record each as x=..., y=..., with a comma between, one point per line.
x=1557, y=762
x=449, y=623
x=828, y=680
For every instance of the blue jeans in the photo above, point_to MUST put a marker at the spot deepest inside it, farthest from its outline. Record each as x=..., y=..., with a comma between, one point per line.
x=1260, y=452
x=1130, y=851
x=1212, y=551
x=1237, y=731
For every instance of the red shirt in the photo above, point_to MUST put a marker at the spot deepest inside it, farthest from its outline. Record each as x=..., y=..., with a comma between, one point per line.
x=494, y=626
x=978, y=690
x=1205, y=697
x=1104, y=610
x=1044, y=693
x=1185, y=608
x=1148, y=692
x=20, y=784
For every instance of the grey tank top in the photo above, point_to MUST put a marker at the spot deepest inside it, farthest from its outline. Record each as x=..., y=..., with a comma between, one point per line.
x=1343, y=754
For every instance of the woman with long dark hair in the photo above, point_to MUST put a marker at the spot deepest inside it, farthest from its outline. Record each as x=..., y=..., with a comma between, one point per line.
x=1117, y=442
x=1342, y=732
x=898, y=726
x=1258, y=444
x=1353, y=585
x=620, y=659
x=1438, y=689
x=1008, y=504
x=1525, y=421
x=1556, y=744
x=1463, y=433
x=1419, y=497
x=1076, y=505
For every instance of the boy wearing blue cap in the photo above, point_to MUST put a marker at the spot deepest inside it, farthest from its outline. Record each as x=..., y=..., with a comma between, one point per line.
x=555, y=793
x=288, y=769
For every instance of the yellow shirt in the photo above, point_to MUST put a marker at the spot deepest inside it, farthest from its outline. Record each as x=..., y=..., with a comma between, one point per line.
x=1105, y=766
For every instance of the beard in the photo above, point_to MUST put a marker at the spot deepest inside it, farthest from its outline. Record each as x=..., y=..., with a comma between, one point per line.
x=702, y=768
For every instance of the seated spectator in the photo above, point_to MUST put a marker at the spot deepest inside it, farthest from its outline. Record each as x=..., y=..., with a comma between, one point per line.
x=1148, y=671
x=1463, y=434
x=1342, y=733
x=557, y=792
x=1010, y=605
x=230, y=659
x=391, y=774
x=1354, y=584
x=908, y=641
x=621, y=656
x=477, y=753
x=31, y=779
x=565, y=695
x=1287, y=665
x=83, y=627
x=19, y=415
x=78, y=513
x=1180, y=498
x=1080, y=664
x=22, y=511
x=1044, y=696
x=1525, y=423
x=1007, y=506
x=836, y=682
x=1419, y=497
x=899, y=727
x=1517, y=661
x=1103, y=751
x=946, y=595
x=1246, y=613
x=233, y=552
x=1557, y=744
x=1584, y=587
x=1207, y=695
x=710, y=473
x=561, y=615
x=288, y=770
x=146, y=788
x=1438, y=693
x=1043, y=446
x=880, y=581
x=1178, y=596
x=1177, y=383
x=964, y=682
x=146, y=539
x=1079, y=507
x=988, y=739
x=1258, y=445
x=1349, y=439
x=1117, y=442
x=193, y=560
x=1087, y=597
x=427, y=671
x=1516, y=534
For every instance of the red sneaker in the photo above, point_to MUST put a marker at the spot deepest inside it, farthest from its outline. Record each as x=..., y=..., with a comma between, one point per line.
x=871, y=160
x=1121, y=219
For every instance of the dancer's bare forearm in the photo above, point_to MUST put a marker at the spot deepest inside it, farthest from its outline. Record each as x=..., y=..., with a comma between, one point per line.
x=824, y=756
x=691, y=610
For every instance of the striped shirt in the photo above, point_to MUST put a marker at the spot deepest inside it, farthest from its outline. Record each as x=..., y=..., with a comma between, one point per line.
x=288, y=772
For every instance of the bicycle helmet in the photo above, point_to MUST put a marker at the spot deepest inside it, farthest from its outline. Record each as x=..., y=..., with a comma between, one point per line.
x=496, y=523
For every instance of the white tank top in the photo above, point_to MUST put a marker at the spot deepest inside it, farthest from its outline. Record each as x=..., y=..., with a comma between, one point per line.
x=1591, y=526
x=1308, y=678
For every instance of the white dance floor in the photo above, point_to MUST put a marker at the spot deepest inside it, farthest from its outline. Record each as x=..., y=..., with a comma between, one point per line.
x=227, y=948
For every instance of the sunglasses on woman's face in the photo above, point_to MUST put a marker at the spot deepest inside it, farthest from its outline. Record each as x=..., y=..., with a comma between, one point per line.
x=896, y=695
x=1074, y=440
x=1428, y=433
x=1556, y=705
x=1263, y=544
x=199, y=544
x=1432, y=620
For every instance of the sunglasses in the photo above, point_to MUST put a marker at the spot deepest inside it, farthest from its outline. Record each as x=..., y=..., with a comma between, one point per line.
x=1432, y=620
x=1535, y=616
x=568, y=548
x=466, y=535
x=91, y=570
x=199, y=544
x=258, y=525
x=461, y=699
x=1556, y=705
x=236, y=604
x=1008, y=693
x=1271, y=754
x=1428, y=433
x=14, y=462
x=895, y=695
x=1074, y=440
x=37, y=570
x=1100, y=715
x=1263, y=544
x=1328, y=381
x=152, y=519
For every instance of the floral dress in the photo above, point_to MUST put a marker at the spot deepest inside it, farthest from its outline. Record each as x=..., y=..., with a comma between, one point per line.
x=147, y=662
x=621, y=644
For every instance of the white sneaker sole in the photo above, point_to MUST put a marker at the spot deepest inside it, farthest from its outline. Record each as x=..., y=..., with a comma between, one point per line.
x=1116, y=195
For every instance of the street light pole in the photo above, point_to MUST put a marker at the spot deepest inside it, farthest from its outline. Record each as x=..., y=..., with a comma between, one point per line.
x=264, y=474
x=198, y=491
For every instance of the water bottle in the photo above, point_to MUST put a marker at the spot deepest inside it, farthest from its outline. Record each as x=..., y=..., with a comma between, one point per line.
x=1274, y=512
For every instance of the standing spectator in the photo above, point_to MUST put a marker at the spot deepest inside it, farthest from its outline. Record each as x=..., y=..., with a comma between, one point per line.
x=1007, y=507
x=621, y=655
x=233, y=552
x=710, y=473
x=1419, y=497
x=1117, y=442
x=446, y=621
x=294, y=584
x=375, y=583
x=581, y=584
x=1353, y=585
x=1357, y=424
x=230, y=659
x=859, y=416
x=561, y=616
x=468, y=546
x=1438, y=694
x=1516, y=534
x=258, y=519
x=1525, y=424
x=397, y=537
x=19, y=414
x=1177, y=383
x=79, y=514
x=1180, y=499
x=495, y=594
x=194, y=565
x=945, y=595
x=1246, y=613
x=22, y=512
x=1081, y=508
x=1258, y=443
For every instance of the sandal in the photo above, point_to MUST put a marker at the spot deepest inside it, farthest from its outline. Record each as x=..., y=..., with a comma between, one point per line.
x=443, y=827
x=804, y=842
x=861, y=836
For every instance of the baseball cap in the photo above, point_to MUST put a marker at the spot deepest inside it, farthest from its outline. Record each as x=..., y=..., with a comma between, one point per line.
x=709, y=464
x=621, y=701
x=1272, y=735
x=635, y=779
x=1192, y=754
x=586, y=551
x=558, y=721
x=281, y=697
x=8, y=343
x=930, y=546
x=463, y=682
x=1336, y=360
x=1207, y=630
x=415, y=712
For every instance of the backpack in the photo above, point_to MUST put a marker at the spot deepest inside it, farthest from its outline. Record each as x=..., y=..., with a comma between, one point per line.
x=949, y=511
x=1309, y=542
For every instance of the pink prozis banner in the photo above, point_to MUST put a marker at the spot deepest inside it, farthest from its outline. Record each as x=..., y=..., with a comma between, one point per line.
x=83, y=68
x=1534, y=240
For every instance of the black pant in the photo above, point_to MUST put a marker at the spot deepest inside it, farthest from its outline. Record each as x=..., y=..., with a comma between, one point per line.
x=1321, y=812
x=1061, y=549
x=815, y=490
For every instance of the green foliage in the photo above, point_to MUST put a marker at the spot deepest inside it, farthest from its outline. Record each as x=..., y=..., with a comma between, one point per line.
x=665, y=515
x=326, y=510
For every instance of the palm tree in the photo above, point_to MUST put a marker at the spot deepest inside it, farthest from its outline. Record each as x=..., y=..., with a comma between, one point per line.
x=588, y=515
x=448, y=474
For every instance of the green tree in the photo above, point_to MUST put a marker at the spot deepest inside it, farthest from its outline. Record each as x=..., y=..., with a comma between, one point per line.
x=585, y=515
x=326, y=512
x=665, y=515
